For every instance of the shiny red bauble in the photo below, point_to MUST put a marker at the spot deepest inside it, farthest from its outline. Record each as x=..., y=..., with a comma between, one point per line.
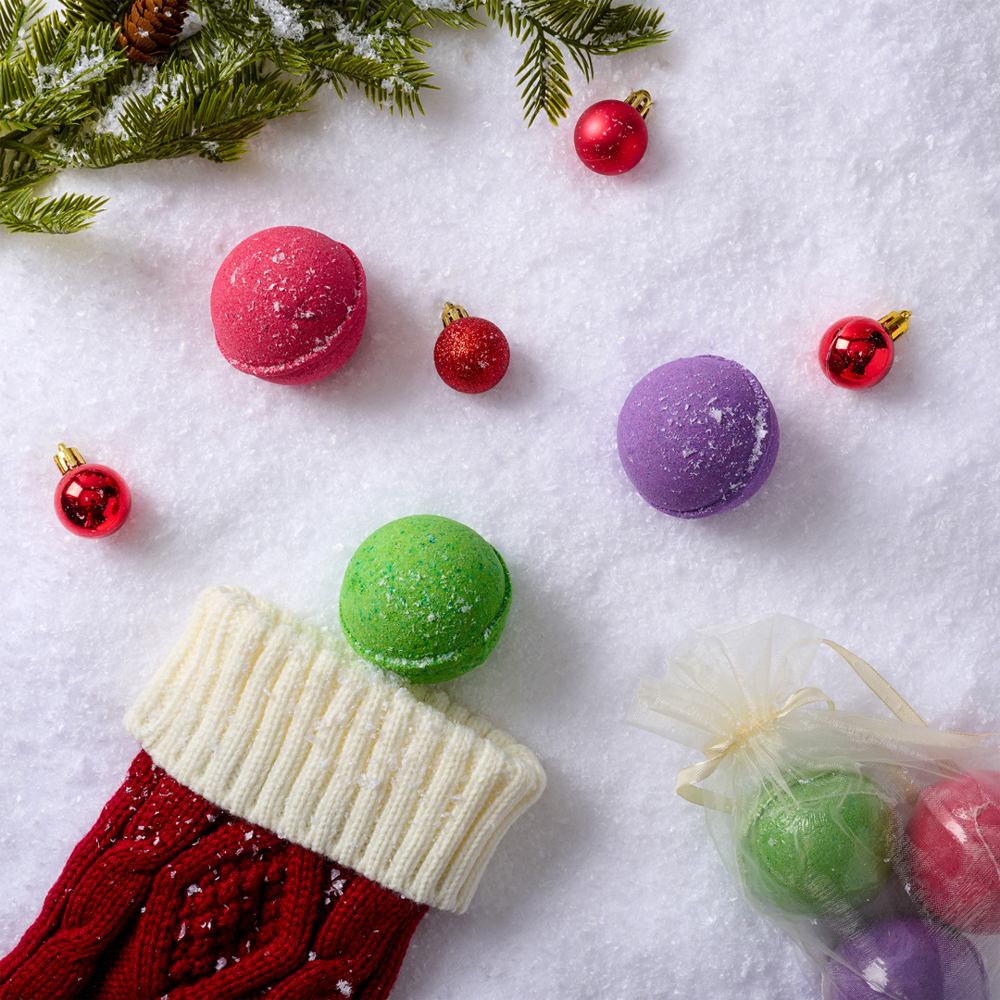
x=91, y=500
x=611, y=137
x=856, y=352
x=471, y=354
x=952, y=851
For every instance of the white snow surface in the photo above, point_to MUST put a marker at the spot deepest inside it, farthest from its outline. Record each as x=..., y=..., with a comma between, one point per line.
x=806, y=162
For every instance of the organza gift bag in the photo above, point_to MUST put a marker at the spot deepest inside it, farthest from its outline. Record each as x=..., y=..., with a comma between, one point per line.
x=874, y=842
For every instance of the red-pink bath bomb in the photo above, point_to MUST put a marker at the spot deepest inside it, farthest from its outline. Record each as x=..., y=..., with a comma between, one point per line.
x=953, y=851
x=288, y=305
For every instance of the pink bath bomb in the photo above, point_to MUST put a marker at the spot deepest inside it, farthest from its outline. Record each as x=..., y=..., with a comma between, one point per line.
x=288, y=305
x=952, y=846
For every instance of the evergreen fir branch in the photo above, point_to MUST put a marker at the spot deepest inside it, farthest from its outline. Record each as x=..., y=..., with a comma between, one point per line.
x=232, y=27
x=599, y=27
x=19, y=163
x=585, y=28
x=374, y=49
x=96, y=11
x=69, y=96
x=23, y=212
x=14, y=15
x=451, y=16
x=49, y=81
x=543, y=80
x=370, y=46
x=180, y=110
x=397, y=84
x=206, y=49
x=394, y=83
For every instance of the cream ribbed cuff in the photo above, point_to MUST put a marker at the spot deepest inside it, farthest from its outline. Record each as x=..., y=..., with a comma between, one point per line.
x=280, y=723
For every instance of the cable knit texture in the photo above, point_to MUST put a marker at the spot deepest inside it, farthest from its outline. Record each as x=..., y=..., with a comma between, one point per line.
x=281, y=724
x=169, y=896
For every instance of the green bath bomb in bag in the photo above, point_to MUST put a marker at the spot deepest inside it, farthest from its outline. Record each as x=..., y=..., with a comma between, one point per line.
x=822, y=846
x=426, y=597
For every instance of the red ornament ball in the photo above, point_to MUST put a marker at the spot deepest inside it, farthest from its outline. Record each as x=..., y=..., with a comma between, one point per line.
x=610, y=137
x=471, y=354
x=856, y=352
x=92, y=501
x=953, y=843
x=289, y=305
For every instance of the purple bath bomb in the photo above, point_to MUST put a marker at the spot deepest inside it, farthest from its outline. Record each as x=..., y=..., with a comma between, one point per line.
x=698, y=436
x=906, y=958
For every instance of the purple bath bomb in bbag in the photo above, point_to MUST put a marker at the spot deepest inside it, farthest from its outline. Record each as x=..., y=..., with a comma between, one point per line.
x=698, y=436
x=905, y=958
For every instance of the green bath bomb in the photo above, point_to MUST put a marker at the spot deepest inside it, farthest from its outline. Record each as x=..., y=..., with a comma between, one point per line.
x=821, y=848
x=426, y=597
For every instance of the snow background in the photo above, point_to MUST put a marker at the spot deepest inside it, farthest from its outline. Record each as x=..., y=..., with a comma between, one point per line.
x=804, y=164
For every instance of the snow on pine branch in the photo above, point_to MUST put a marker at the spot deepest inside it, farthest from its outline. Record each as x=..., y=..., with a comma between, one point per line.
x=72, y=100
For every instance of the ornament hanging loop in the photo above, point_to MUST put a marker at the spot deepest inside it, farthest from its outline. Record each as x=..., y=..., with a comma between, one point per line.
x=896, y=323
x=451, y=312
x=67, y=458
x=642, y=102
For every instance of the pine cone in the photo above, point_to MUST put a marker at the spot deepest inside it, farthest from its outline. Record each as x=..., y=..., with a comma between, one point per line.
x=150, y=28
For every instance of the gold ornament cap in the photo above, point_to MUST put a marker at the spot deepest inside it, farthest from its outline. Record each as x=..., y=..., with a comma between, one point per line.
x=641, y=101
x=896, y=323
x=451, y=312
x=67, y=458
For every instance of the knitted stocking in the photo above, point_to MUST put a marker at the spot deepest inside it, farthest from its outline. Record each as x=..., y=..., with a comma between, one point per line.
x=337, y=803
x=169, y=895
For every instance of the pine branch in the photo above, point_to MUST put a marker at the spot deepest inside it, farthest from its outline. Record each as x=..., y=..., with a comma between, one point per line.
x=20, y=165
x=14, y=15
x=70, y=97
x=374, y=48
x=450, y=15
x=178, y=110
x=24, y=212
x=96, y=11
x=543, y=79
x=396, y=84
x=48, y=81
x=585, y=28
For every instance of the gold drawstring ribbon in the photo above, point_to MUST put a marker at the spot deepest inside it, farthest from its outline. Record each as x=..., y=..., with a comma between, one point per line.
x=689, y=777
x=879, y=686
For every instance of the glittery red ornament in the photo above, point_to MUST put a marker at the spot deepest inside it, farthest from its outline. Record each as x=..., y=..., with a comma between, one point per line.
x=857, y=352
x=471, y=354
x=91, y=500
x=610, y=136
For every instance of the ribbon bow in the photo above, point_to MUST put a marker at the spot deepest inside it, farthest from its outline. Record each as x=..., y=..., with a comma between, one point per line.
x=688, y=778
x=651, y=706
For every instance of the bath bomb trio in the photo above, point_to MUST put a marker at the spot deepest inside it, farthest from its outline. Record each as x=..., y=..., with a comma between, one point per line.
x=907, y=958
x=697, y=436
x=425, y=597
x=289, y=305
x=819, y=846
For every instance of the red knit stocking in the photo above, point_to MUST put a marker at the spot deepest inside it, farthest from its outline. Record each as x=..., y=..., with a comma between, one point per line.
x=168, y=896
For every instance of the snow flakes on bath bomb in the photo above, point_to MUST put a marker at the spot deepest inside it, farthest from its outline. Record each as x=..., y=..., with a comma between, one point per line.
x=289, y=305
x=697, y=436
